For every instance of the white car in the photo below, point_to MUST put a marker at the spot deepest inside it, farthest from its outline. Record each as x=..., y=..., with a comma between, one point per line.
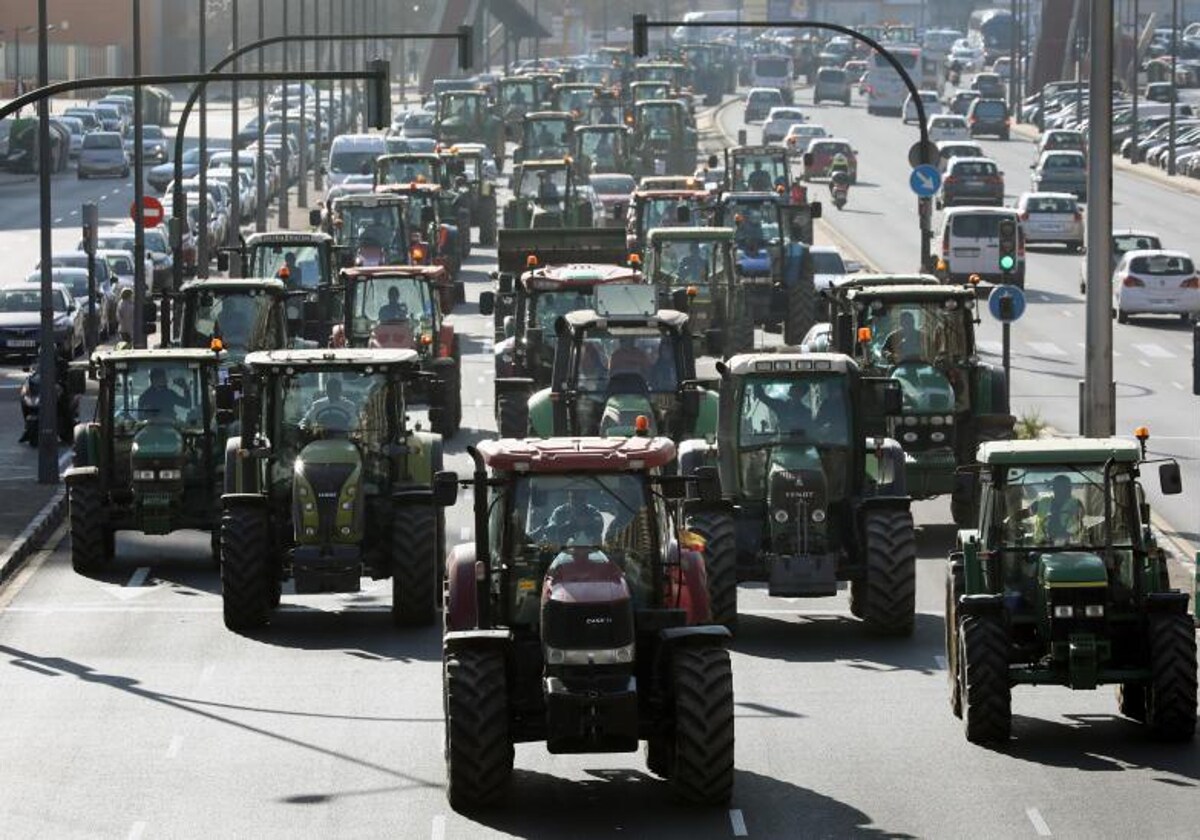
x=778, y=121
x=798, y=136
x=1155, y=282
x=931, y=101
x=1050, y=217
x=948, y=127
x=827, y=265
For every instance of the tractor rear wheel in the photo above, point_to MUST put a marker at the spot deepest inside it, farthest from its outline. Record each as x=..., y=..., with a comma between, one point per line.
x=414, y=565
x=512, y=412
x=479, y=750
x=487, y=224
x=91, y=539
x=954, y=588
x=701, y=761
x=1171, y=693
x=888, y=605
x=720, y=562
x=964, y=501
x=801, y=311
x=740, y=335
x=1131, y=701
x=983, y=670
x=246, y=574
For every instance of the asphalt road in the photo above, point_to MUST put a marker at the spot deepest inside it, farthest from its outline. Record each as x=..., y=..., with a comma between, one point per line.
x=131, y=712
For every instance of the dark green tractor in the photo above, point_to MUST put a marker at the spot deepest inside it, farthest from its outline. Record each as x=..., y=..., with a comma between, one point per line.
x=923, y=337
x=245, y=315
x=473, y=177
x=150, y=461
x=327, y=483
x=546, y=195
x=468, y=116
x=1061, y=583
x=665, y=141
x=305, y=262
x=816, y=499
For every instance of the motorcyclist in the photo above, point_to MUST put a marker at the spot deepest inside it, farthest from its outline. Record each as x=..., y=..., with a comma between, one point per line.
x=839, y=173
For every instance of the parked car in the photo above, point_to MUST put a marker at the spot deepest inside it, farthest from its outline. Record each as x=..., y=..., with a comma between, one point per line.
x=944, y=127
x=779, y=120
x=75, y=126
x=1051, y=218
x=102, y=154
x=975, y=181
x=1155, y=282
x=1061, y=172
x=21, y=321
x=988, y=116
x=159, y=177
x=75, y=280
x=832, y=84
x=929, y=98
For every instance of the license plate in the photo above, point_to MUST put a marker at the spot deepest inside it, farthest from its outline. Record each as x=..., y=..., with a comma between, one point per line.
x=21, y=342
x=966, y=252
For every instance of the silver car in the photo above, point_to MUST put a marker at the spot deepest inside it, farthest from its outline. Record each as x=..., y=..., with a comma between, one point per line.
x=1051, y=218
x=102, y=154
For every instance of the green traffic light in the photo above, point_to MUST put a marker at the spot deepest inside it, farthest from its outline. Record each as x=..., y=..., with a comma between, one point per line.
x=1007, y=262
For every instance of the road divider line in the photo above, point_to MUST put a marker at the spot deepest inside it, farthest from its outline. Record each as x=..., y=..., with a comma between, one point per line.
x=437, y=831
x=1039, y=823
x=1046, y=348
x=1154, y=351
x=174, y=747
x=138, y=578
x=738, y=823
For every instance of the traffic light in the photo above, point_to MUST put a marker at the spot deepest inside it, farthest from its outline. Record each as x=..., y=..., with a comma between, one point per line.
x=379, y=93
x=466, y=47
x=641, y=36
x=1008, y=245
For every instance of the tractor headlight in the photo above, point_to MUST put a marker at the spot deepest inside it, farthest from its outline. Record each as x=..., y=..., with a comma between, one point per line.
x=818, y=515
x=593, y=656
x=937, y=437
x=170, y=475
x=1063, y=611
x=910, y=420
x=781, y=516
x=910, y=437
x=143, y=475
x=1094, y=611
x=346, y=506
x=949, y=419
x=936, y=420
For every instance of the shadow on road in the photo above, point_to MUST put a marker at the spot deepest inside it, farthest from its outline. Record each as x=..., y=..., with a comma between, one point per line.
x=358, y=625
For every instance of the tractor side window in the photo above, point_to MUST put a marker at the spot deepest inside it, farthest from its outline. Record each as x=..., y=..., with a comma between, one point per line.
x=1064, y=505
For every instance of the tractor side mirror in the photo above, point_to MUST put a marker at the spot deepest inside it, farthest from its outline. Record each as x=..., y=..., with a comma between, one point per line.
x=1169, y=479
x=708, y=485
x=487, y=303
x=222, y=260
x=504, y=282
x=445, y=488
x=76, y=381
x=814, y=210
x=225, y=398
x=314, y=218
x=713, y=161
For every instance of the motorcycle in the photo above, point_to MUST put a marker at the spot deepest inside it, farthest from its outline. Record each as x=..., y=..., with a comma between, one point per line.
x=68, y=406
x=839, y=186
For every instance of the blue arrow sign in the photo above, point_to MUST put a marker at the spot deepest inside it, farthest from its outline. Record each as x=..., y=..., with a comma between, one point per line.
x=1013, y=301
x=925, y=180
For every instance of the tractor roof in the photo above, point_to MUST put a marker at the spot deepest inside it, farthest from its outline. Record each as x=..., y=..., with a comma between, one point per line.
x=236, y=284
x=295, y=236
x=660, y=103
x=158, y=354
x=914, y=291
x=547, y=163
x=582, y=319
x=758, y=151
x=670, y=182
x=467, y=150
x=689, y=234
x=1059, y=451
x=863, y=281
x=578, y=275
x=699, y=194
x=370, y=199
x=749, y=197
x=574, y=455
x=789, y=359
x=534, y=116
x=430, y=156
x=435, y=273
x=410, y=189
x=321, y=358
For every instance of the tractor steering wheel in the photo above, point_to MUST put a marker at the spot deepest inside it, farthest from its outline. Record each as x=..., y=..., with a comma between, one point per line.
x=339, y=419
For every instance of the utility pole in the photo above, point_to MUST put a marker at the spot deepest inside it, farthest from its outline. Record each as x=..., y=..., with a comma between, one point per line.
x=302, y=197
x=47, y=366
x=260, y=210
x=139, y=194
x=202, y=244
x=285, y=150
x=1099, y=404
x=1137, y=75
x=233, y=238
x=342, y=58
x=1173, y=131
x=1013, y=55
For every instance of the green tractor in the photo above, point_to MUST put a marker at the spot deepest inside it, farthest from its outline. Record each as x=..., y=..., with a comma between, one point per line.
x=693, y=270
x=150, y=460
x=665, y=141
x=327, y=483
x=546, y=195
x=367, y=228
x=1061, y=583
x=623, y=367
x=244, y=315
x=518, y=96
x=305, y=262
x=816, y=499
x=713, y=70
x=473, y=177
x=468, y=116
x=923, y=337
x=579, y=618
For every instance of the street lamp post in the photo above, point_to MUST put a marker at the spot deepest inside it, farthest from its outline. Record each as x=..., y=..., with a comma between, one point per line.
x=302, y=196
x=1173, y=130
x=202, y=244
x=260, y=212
x=139, y=190
x=48, y=416
x=1137, y=73
x=284, y=149
x=235, y=187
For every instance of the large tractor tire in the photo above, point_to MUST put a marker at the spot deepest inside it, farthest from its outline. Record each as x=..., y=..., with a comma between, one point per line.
x=414, y=565
x=247, y=579
x=512, y=415
x=445, y=419
x=964, y=500
x=479, y=750
x=886, y=599
x=1171, y=693
x=801, y=312
x=983, y=670
x=700, y=757
x=487, y=225
x=720, y=562
x=739, y=337
x=91, y=538
x=1131, y=700
x=954, y=588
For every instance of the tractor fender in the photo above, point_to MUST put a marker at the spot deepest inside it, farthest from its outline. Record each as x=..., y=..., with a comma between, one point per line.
x=414, y=494
x=984, y=604
x=688, y=583
x=424, y=457
x=541, y=414
x=234, y=480
x=1174, y=602
x=890, y=463
x=233, y=500
x=699, y=635
x=87, y=445
x=795, y=256
x=462, y=590
x=80, y=475
x=457, y=639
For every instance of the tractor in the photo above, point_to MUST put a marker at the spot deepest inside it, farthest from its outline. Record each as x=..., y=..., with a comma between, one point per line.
x=761, y=169
x=666, y=208
x=589, y=639
x=573, y=97
x=923, y=337
x=518, y=96
x=433, y=237
x=1060, y=582
x=546, y=195
x=150, y=460
x=473, y=177
x=664, y=138
x=327, y=483
x=467, y=116
x=816, y=500
x=411, y=171
x=400, y=307
x=712, y=70
x=545, y=135
x=244, y=315
x=304, y=261
x=693, y=270
x=621, y=367
x=597, y=149
x=369, y=229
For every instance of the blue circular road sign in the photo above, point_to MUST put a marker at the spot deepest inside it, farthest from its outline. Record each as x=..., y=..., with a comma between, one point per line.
x=925, y=180
x=1006, y=303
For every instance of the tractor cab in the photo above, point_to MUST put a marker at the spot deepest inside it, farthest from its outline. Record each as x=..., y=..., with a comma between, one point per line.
x=370, y=229
x=473, y=172
x=243, y=315
x=692, y=270
x=410, y=168
x=545, y=135
x=604, y=109
x=432, y=234
x=666, y=208
x=518, y=96
x=546, y=196
x=760, y=169
x=468, y=116
x=573, y=97
x=674, y=73
x=304, y=263
x=598, y=149
x=664, y=138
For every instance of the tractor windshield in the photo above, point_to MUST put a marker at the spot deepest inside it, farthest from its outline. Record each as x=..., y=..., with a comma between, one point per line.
x=659, y=90
x=313, y=404
x=759, y=173
x=461, y=106
x=415, y=209
x=517, y=93
x=782, y=410
x=391, y=311
x=381, y=224
x=638, y=353
x=303, y=264
x=755, y=223
x=670, y=211
x=683, y=263
x=604, y=113
x=406, y=171
x=244, y=320
x=545, y=185
x=917, y=331
x=603, y=149
x=158, y=391
x=1063, y=505
x=548, y=138
x=658, y=117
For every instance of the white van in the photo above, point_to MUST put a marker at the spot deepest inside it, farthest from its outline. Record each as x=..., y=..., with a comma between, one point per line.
x=773, y=71
x=354, y=154
x=971, y=245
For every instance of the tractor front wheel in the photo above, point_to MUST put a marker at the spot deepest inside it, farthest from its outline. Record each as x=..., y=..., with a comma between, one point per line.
x=720, y=562
x=414, y=565
x=479, y=750
x=886, y=600
x=801, y=311
x=1171, y=693
x=700, y=760
x=246, y=574
x=445, y=419
x=91, y=539
x=983, y=671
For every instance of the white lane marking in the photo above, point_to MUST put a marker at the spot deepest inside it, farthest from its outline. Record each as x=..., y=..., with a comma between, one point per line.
x=1067, y=313
x=438, y=830
x=992, y=348
x=136, y=831
x=1178, y=385
x=1154, y=351
x=74, y=212
x=738, y=823
x=1144, y=363
x=209, y=670
x=138, y=578
x=941, y=662
x=58, y=221
x=1039, y=823
x=174, y=747
x=1046, y=348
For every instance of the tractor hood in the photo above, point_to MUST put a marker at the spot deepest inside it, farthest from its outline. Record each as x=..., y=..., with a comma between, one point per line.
x=620, y=415
x=1071, y=569
x=157, y=441
x=327, y=488
x=925, y=389
x=796, y=487
x=586, y=605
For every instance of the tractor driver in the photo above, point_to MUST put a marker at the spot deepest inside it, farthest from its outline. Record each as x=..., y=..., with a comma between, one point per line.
x=393, y=310
x=1058, y=518
x=332, y=411
x=760, y=179
x=575, y=521
x=905, y=342
x=691, y=266
x=160, y=402
x=547, y=189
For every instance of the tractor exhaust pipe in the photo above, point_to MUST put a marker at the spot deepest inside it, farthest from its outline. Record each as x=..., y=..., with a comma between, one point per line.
x=483, y=565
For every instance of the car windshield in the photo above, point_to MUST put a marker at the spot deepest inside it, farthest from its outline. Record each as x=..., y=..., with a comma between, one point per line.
x=1132, y=242
x=827, y=262
x=1063, y=505
x=639, y=352
x=120, y=264
x=916, y=331
x=1051, y=204
x=974, y=169
x=332, y=402
x=394, y=311
x=115, y=242
x=783, y=410
x=76, y=281
x=406, y=170
x=155, y=241
x=613, y=184
x=303, y=263
x=1063, y=161
x=244, y=320
x=772, y=67
x=346, y=162
x=418, y=119
x=102, y=141
x=17, y=300
x=1162, y=265
x=157, y=391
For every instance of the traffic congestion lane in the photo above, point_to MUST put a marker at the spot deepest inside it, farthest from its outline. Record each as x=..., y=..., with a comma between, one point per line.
x=1152, y=358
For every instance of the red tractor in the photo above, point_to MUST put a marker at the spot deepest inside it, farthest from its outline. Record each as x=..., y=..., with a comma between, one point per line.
x=579, y=617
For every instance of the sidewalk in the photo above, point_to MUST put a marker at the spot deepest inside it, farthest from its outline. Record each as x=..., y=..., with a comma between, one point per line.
x=31, y=511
